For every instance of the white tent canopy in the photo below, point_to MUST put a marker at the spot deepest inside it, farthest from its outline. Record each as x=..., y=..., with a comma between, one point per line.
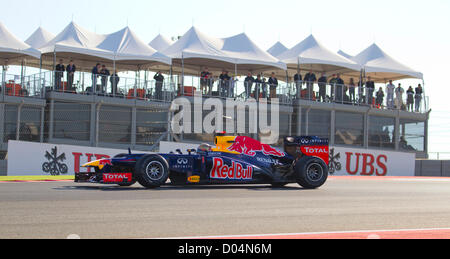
x=39, y=38
x=277, y=49
x=345, y=55
x=381, y=67
x=246, y=52
x=312, y=55
x=197, y=50
x=160, y=43
x=125, y=45
x=87, y=48
x=13, y=50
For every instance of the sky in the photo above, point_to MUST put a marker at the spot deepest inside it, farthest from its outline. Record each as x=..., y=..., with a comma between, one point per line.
x=414, y=32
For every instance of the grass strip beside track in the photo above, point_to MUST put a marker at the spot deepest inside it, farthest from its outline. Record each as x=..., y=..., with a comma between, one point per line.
x=37, y=178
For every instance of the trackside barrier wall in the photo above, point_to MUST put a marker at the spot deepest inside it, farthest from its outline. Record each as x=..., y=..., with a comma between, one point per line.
x=434, y=168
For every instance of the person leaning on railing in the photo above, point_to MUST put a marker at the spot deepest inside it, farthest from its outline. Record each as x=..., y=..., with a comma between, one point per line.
x=273, y=83
x=59, y=73
x=204, y=81
x=225, y=84
x=370, y=89
x=418, y=97
x=310, y=79
x=95, y=72
x=323, y=88
x=104, y=76
x=380, y=98
x=159, y=82
x=390, y=89
x=249, y=80
x=70, y=69
x=410, y=99
x=114, y=79
x=339, y=89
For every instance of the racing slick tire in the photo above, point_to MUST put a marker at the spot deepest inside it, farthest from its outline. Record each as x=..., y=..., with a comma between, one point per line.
x=311, y=172
x=152, y=171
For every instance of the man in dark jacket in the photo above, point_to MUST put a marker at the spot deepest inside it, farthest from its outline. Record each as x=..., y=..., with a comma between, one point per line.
x=104, y=74
x=310, y=79
x=114, y=79
x=225, y=84
x=418, y=97
x=249, y=80
x=258, y=87
x=273, y=83
x=205, y=79
x=339, y=89
x=70, y=69
x=95, y=72
x=59, y=74
x=370, y=89
x=323, y=87
x=159, y=78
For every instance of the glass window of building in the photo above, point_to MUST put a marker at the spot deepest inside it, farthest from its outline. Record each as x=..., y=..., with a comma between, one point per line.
x=412, y=135
x=319, y=123
x=115, y=125
x=381, y=132
x=71, y=121
x=151, y=125
x=349, y=129
x=30, y=124
x=10, y=122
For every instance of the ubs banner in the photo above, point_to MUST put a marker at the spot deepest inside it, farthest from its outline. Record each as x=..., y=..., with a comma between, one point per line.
x=27, y=158
x=368, y=162
x=349, y=161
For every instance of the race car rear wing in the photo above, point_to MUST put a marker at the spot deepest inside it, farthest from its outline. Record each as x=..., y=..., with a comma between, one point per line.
x=308, y=146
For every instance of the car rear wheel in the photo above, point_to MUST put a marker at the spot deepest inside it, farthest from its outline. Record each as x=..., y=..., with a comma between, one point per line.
x=152, y=171
x=311, y=172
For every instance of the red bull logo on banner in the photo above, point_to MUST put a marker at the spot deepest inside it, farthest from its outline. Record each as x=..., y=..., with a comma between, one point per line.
x=248, y=146
x=234, y=172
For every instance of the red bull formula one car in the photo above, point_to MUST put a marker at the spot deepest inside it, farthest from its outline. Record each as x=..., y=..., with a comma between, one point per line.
x=234, y=160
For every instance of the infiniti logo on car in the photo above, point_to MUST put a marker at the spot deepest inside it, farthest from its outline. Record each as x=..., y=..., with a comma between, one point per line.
x=182, y=161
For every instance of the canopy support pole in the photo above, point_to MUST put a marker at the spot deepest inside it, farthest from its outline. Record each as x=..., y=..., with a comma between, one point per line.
x=234, y=83
x=54, y=70
x=114, y=86
x=42, y=89
x=182, y=75
x=3, y=79
x=423, y=96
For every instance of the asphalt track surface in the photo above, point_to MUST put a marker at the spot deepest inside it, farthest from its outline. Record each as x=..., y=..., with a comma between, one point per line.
x=345, y=207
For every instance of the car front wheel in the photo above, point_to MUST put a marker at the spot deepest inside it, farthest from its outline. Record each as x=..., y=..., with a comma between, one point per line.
x=152, y=171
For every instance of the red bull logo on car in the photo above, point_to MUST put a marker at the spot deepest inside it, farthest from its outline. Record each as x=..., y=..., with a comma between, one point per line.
x=234, y=172
x=248, y=146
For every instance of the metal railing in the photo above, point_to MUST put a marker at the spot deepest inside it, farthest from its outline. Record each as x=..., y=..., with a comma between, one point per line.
x=115, y=86
x=143, y=89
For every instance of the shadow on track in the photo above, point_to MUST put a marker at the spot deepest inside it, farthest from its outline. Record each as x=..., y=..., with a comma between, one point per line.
x=170, y=187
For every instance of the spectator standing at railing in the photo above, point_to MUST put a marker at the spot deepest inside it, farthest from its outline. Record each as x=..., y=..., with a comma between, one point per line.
x=159, y=82
x=370, y=89
x=418, y=97
x=323, y=88
x=333, y=81
x=249, y=81
x=204, y=81
x=380, y=98
x=390, y=89
x=104, y=74
x=339, y=89
x=114, y=79
x=352, y=90
x=95, y=72
x=273, y=83
x=399, y=91
x=59, y=74
x=410, y=99
x=298, y=84
x=264, y=88
x=258, y=87
x=70, y=69
x=224, y=83
x=310, y=79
